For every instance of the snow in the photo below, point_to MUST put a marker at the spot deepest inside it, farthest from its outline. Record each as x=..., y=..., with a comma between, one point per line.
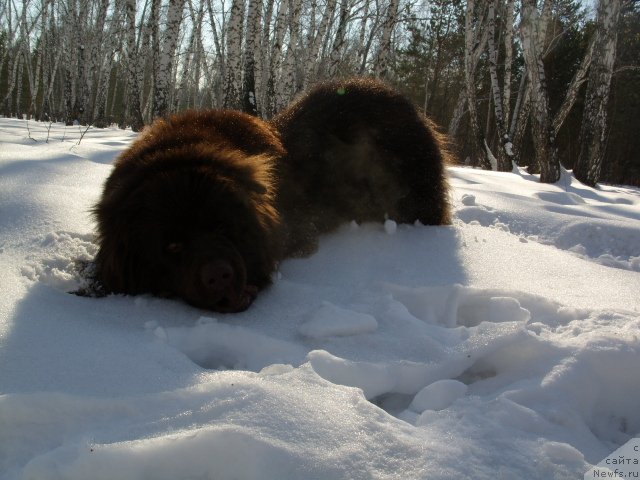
x=390, y=226
x=332, y=321
x=438, y=395
x=504, y=346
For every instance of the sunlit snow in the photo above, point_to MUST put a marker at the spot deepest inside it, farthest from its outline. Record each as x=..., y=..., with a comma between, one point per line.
x=504, y=346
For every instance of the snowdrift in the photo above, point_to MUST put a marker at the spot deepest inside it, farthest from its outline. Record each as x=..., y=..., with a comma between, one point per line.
x=504, y=346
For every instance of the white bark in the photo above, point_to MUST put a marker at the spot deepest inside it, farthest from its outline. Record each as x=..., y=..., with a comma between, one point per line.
x=361, y=48
x=504, y=152
x=135, y=111
x=384, y=52
x=233, y=56
x=251, y=67
x=543, y=137
x=473, y=46
x=164, y=73
x=286, y=88
x=312, y=55
x=218, y=44
x=339, y=40
x=508, y=58
x=275, y=59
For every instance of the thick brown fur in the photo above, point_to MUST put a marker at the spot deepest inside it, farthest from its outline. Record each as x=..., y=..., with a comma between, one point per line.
x=203, y=205
x=357, y=150
x=189, y=211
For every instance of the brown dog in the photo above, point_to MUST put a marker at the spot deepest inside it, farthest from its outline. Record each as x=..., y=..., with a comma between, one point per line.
x=204, y=204
x=357, y=150
x=189, y=211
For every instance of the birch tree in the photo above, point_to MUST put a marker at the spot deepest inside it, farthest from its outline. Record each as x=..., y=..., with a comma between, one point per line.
x=339, y=40
x=286, y=87
x=34, y=71
x=252, y=44
x=218, y=43
x=475, y=38
x=508, y=58
x=520, y=115
x=504, y=151
x=574, y=87
x=112, y=38
x=233, y=57
x=163, y=76
x=133, y=85
x=543, y=135
x=362, y=44
x=316, y=42
x=593, y=130
x=275, y=58
x=384, y=53
x=70, y=60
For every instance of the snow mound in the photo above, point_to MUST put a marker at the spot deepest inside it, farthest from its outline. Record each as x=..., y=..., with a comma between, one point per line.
x=504, y=346
x=62, y=261
x=331, y=321
x=609, y=237
x=218, y=346
x=438, y=395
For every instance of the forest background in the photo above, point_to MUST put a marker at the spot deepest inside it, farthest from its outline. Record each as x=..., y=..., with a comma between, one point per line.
x=538, y=84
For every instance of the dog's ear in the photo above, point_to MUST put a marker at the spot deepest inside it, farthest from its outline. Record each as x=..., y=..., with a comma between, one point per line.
x=252, y=184
x=259, y=178
x=251, y=174
x=112, y=266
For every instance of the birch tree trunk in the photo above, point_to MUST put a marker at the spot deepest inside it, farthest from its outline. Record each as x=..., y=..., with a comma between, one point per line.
x=154, y=29
x=218, y=43
x=384, y=53
x=504, y=151
x=251, y=47
x=478, y=154
x=312, y=56
x=339, y=41
x=164, y=75
x=286, y=86
x=18, y=106
x=508, y=58
x=275, y=58
x=112, y=38
x=33, y=71
x=362, y=51
x=95, y=46
x=543, y=136
x=233, y=57
x=458, y=112
x=80, y=63
x=51, y=69
x=133, y=87
x=520, y=118
x=574, y=88
x=593, y=130
x=198, y=56
x=70, y=66
x=183, y=97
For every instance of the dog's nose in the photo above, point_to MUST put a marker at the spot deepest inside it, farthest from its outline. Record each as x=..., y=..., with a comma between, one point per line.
x=217, y=277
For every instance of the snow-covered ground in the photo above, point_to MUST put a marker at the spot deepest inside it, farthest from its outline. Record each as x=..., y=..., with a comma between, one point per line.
x=505, y=346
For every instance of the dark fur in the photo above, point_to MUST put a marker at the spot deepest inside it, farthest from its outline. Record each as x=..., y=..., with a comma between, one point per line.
x=191, y=200
x=204, y=204
x=357, y=150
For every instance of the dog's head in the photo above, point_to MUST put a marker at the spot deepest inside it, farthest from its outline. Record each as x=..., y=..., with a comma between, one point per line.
x=196, y=221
